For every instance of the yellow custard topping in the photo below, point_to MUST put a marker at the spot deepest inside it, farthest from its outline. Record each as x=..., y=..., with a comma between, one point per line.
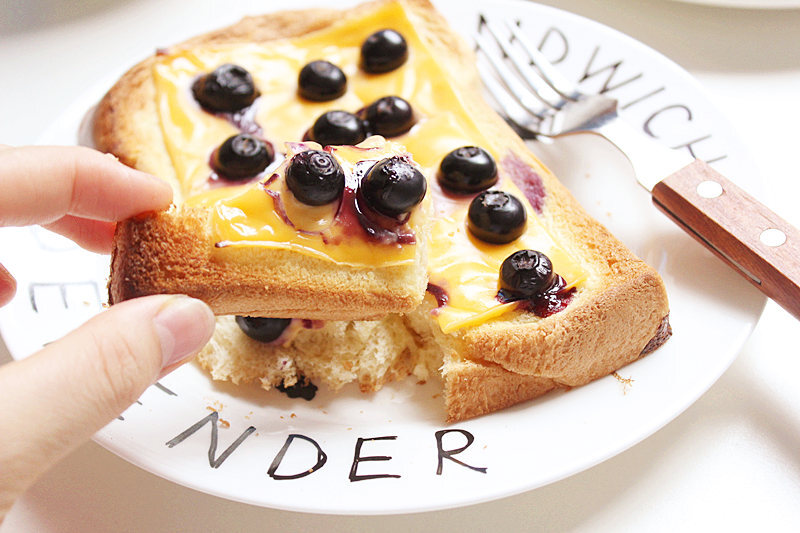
x=464, y=267
x=268, y=214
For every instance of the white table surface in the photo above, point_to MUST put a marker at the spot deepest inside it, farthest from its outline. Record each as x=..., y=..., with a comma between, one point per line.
x=730, y=462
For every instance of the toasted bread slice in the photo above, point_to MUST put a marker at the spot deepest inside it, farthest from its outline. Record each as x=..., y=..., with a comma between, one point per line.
x=198, y=248
x=491, y=355
x=373, y=353
x=253, y=249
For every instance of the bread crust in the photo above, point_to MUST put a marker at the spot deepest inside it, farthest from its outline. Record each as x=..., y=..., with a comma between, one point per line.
x=173, y=253
x=473, y=389
x=611, y=320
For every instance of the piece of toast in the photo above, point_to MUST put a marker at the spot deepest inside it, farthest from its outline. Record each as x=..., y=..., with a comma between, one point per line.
x=329, y=267
x=177, y=251
x=618, y=310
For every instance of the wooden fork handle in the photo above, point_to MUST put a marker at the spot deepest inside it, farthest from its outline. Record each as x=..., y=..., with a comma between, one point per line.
x=753, y=240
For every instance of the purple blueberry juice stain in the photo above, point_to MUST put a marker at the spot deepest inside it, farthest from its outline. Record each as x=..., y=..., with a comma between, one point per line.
x=546, y=303
x=524, y=177
x=440, y=294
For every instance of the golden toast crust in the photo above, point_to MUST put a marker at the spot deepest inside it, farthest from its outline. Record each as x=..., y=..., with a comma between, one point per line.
x=171, y=252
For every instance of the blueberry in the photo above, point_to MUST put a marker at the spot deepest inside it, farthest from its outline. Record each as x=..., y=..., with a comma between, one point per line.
x=338, y=128
x=388, y=116
x=383, y=51
x=242, y=156
x=468, y=169
x=393, y=186
x=315, y=177
x=227, y=89
x=321, y=81
x=526, y=273
x=262, y=329
x=496, y=217
x=302, y=389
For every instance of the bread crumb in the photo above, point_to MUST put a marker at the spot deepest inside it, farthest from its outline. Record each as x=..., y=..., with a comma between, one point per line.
x=625, y=382
x=224, y=423
x=215, y=406
x=292, y=415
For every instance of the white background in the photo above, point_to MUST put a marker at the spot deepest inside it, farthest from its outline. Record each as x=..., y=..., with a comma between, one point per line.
x=731, y=461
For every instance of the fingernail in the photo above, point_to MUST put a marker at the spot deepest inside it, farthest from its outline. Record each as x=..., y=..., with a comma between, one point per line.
x=184, y=325
x=8, y=286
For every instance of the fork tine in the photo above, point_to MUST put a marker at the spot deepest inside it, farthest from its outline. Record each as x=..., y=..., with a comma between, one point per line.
x=522, y=120
x=549, y=73
x=511, y=83
x=541, y=87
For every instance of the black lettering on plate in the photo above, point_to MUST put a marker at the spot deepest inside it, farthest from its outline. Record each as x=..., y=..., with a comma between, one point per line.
x=642, y=98
x=43, y=295
x=164, y=389
x=648, y=127
x=358, y=458
x=120, y=417
x=159, y=386
x=322, y=458
x=561, y=43
x=689, y=145
x=213, y=460
x=713, y=160
x=448, y=454
x=612, y=67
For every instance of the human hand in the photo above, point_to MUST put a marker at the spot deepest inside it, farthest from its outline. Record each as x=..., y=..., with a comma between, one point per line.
x=57, y=398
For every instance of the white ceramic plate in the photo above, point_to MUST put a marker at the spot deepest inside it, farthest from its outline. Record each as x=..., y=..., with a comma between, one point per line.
x=398, y=434
x=749, y=4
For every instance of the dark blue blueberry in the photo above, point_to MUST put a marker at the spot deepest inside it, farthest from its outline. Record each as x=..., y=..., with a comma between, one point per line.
x=227, y=89
x=242, y=156
x=262, y=329
x=321, y=81
x=315, y=177
x=393, y=186
x=388, y=116
x=338, y=128
x=526, y=273
x=383, y=51
x=496, y=217
x=302, y=389
x=468, y=169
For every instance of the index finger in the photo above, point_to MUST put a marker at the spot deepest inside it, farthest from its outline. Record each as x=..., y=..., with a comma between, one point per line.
x=42, y=184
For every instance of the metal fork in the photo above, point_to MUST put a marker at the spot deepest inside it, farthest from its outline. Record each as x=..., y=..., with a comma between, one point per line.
x=538, y=101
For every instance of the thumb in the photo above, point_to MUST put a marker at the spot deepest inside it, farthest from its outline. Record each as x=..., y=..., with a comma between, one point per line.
x=57, y=398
